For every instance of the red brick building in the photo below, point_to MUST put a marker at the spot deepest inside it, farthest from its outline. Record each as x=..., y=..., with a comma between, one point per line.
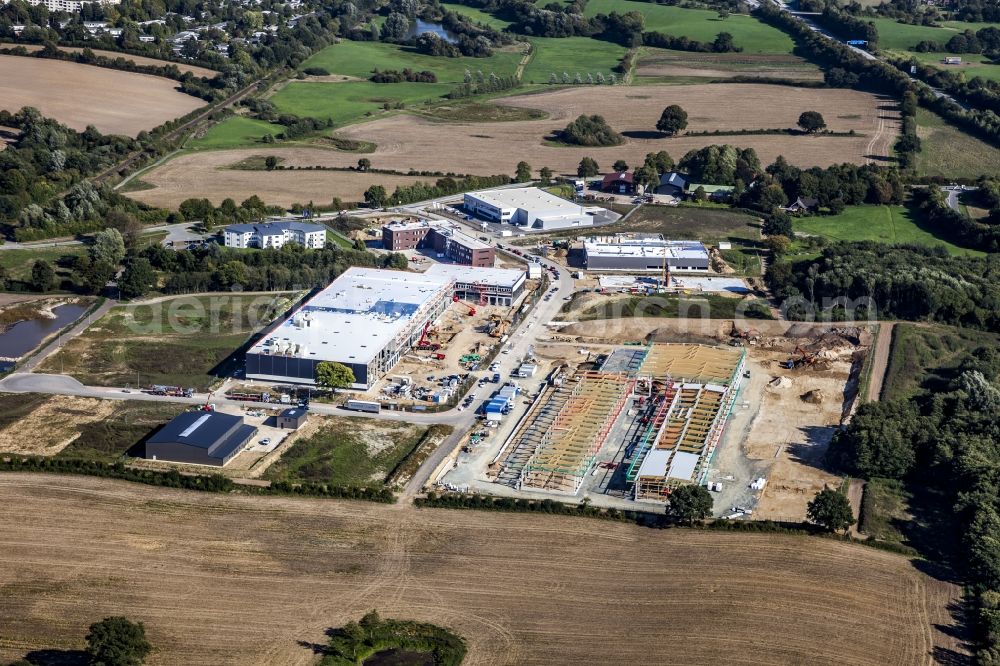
x=452, y=243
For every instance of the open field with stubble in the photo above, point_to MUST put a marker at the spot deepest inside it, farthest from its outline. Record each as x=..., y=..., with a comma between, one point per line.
x=209, y=175
x=257, y=581
x=113, y=101
x=406, y=142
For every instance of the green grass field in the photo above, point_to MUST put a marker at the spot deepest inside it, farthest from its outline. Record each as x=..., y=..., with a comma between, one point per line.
x=947, y=151
x=477, y=15
x=886, y=224
x=182, y=341
x=234, y=132
x=123, y=432
x=348, y=452
x=353, y=100
x=926, y=357
x=18, y=263
x=901, y=39
x=972, y=64
x=360, y=58
x=571, y=55
x=699, y=24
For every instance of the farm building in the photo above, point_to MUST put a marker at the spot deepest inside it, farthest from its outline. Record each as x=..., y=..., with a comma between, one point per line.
x=441, y=237
x=293, y=418
x=619, y=183
x=713, y=192
x=644, y=253
x=802, y=205
x=275, y=234
x=673, y=184
x=200, y=438
x=368, y=318
x=532, y=208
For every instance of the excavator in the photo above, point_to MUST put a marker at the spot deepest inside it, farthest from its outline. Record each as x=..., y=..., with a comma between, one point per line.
x=498, y=326
x=801, y=358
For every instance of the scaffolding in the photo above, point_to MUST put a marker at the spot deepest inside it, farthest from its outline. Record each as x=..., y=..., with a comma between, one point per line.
x=569, y=446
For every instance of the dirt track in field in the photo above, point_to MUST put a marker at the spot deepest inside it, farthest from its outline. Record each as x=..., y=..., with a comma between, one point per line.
x=139, y=60
x=113, y=101
x=207, y=175
x=256, y=581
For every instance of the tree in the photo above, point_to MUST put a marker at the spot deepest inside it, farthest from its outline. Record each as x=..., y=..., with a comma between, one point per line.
x=375, y=196
x=690, y=503
x=831, y=510
x=108, y=247
x=811, y=121
x=878, y=441
x=364, y=164
x=270, y=162
x=334, y=375
x=137, y=278
x=672, y=120
x=700, y=194
x=43, y=276
x=545, y=174
x=647, y=177
x=620, y=166
x=778, y=244
x=96, y=276
x=395, y=27
x=660, y=161
x=523, y=173
x=588, y=168
x=590, y=131
x=778, y=223
x=117, y=641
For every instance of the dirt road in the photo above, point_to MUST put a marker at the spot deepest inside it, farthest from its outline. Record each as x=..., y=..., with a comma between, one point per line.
x=880, y=361
x=250, y=580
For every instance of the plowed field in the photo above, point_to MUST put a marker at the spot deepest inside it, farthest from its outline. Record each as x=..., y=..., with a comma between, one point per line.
x=243, y=580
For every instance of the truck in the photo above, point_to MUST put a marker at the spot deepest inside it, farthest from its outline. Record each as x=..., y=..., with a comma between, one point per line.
x=364, y=406
x=175, y=391
x=247, y=396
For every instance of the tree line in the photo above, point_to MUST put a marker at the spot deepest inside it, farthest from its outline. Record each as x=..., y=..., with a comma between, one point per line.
x=946, y=439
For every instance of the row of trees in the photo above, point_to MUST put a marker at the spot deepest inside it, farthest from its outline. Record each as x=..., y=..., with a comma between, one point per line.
x=893, y=282
x=946, y=439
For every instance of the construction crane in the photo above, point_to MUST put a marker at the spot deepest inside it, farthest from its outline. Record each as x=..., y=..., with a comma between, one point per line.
x=423, y=343
x=665, y=280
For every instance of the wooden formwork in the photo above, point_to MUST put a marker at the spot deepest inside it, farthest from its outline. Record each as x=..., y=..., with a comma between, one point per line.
x=695, y=363
x=568, y=448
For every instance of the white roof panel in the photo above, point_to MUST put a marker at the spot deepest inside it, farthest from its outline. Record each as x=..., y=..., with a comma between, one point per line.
x=683, y=466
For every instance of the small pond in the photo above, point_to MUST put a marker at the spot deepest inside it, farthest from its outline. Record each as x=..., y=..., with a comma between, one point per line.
x=418, y=27
x=24, y=336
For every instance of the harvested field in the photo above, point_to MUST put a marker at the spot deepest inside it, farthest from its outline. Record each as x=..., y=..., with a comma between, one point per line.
x=207, y=174
x=252, y=580
x=52, y=425
x=139, y=60
x=113, y=101
x=406, y=142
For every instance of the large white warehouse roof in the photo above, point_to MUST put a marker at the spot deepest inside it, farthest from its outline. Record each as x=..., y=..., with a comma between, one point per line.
x=354, y=318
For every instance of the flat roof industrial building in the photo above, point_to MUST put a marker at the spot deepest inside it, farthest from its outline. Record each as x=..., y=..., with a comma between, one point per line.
x=532, y=208
x=639, y=253
x=445, y=238
x=368, y=318
x=200, y=438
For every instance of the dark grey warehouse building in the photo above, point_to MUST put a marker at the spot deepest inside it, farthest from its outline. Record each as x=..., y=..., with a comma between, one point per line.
x=200, y=438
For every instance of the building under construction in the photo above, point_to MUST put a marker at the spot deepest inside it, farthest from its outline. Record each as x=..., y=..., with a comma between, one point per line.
x=689, y=391
x=679, y=394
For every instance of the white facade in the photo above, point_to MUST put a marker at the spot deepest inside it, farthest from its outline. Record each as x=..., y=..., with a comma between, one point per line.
x=529, y=207
x=67, y=5
x=275, y=234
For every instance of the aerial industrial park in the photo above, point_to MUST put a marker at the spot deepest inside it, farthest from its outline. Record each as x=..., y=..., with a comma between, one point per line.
x=499, y=333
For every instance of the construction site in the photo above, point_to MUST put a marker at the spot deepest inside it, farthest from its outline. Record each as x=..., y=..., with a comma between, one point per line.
x=621, y=422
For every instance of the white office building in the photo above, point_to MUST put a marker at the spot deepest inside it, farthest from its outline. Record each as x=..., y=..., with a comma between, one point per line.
x=644, y=253
x=275, y=234
x=532, y=208
x=67, y=5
